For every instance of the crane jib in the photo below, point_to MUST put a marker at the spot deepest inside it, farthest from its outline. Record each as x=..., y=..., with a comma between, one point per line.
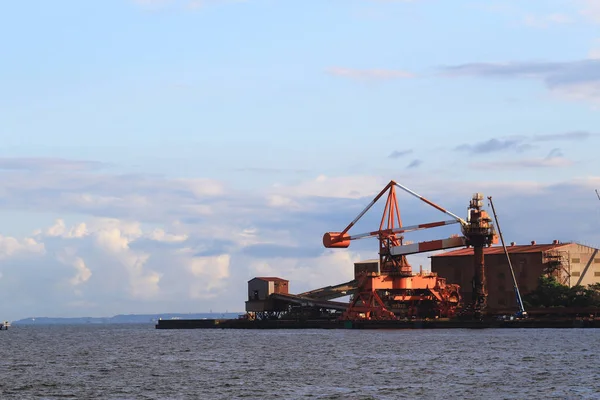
x=402, y=229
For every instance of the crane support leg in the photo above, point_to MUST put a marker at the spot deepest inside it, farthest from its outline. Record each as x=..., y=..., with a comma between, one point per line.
x=479, y=233
x=479, y=284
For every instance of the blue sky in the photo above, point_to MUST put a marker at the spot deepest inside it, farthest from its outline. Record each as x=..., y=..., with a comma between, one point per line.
x=201, y=143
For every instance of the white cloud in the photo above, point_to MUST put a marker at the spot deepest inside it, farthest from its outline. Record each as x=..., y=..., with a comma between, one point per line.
x=83, y=272
x=249, y=237
x=69, y=257
x=202, y=187
x=177, y=261
x=91, y=201
x=128, y=229
x=111, y=240
x=277, y=200
x=59, y=229
x=140, y=197
x=108, y=262
x=10, y=246
x=210, y=274
x=114, y=241
x=331, y=267
x=347, y=187
x=160, y=235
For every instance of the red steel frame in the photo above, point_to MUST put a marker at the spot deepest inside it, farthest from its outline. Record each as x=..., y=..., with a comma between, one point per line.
x=395, y=272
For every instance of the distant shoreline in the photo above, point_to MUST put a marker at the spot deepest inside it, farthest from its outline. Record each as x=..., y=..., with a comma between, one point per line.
x=121, y=319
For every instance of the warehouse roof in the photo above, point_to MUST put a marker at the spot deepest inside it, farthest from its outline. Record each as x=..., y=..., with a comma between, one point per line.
x=530, y=248
x=371, y=260
x=270, y=279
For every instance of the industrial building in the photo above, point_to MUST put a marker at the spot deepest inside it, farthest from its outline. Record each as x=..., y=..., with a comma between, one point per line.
x=571, y=263
x=261, y=287
x=269, y=297
x=260, y=290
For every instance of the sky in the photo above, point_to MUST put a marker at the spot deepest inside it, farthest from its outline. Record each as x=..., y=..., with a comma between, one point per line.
x=155, y=155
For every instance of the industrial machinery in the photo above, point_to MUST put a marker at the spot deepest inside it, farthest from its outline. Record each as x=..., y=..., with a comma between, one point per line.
x=521, y=313
x=393, y=291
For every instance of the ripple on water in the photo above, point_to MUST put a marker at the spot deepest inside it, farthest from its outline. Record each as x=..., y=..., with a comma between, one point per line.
x=140, y=362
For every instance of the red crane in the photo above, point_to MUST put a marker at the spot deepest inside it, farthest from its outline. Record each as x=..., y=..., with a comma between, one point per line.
x=394, y=291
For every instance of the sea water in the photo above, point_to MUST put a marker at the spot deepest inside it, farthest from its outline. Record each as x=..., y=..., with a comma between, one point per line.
x=136, y=361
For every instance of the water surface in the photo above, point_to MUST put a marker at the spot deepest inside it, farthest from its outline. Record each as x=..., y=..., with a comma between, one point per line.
x=140, y=362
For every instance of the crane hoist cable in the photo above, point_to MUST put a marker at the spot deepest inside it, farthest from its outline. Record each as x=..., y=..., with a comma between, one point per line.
x=521, y=312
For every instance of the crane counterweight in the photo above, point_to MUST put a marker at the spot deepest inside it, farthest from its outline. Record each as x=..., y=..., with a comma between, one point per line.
x=336, y=240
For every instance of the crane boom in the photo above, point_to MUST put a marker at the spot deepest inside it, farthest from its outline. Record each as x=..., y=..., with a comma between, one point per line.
x=342, y=239
x=403, y=229
x=521, y=312
x=424, y=247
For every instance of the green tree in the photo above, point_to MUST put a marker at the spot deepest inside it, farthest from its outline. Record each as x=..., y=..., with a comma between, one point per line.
x=551, y=293
x=594, y=290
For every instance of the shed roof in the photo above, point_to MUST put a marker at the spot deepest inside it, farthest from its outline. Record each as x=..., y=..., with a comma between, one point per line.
x=369, y=261
x=530, y=248
x=270, y=279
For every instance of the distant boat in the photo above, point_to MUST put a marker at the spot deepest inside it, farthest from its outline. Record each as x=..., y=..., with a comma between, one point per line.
x=4, y=326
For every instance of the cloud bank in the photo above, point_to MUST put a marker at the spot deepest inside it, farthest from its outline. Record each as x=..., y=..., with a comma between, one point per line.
x=143, y=244
x=578, y=80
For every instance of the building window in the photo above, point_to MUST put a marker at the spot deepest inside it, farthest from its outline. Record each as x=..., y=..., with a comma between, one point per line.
x=575, y=260
x=575, y=273
x=501, y=302
x=596, y=260
x=596, y=273
x=501, y=276
x=501, y=288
